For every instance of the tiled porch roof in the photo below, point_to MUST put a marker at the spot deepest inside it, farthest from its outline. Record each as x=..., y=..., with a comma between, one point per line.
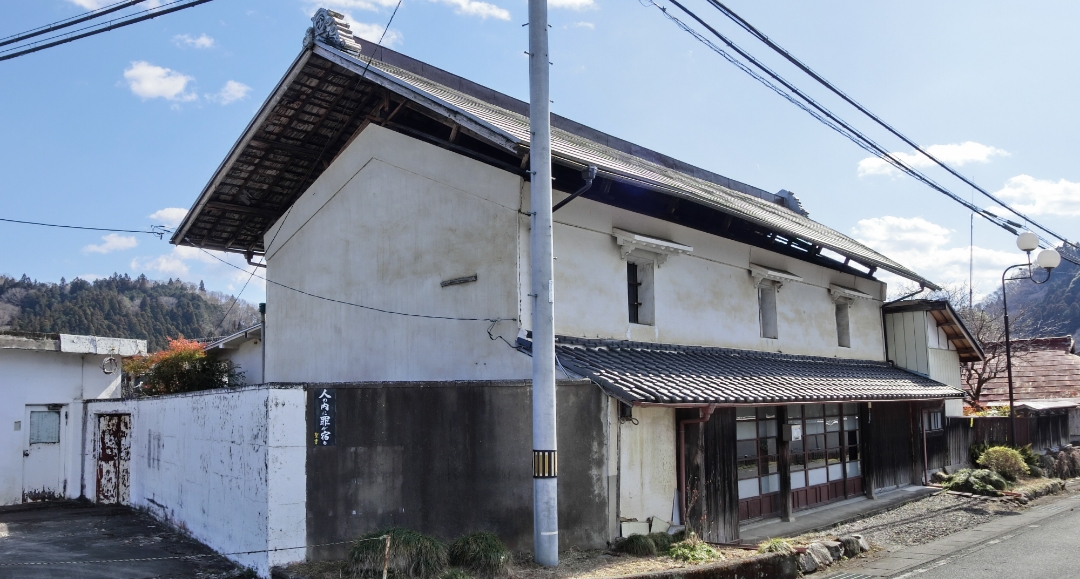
x=637, y=372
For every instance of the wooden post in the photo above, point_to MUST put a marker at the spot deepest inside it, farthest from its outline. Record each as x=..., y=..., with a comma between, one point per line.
x=783, y=466
x=386, y=558
x=866, y=437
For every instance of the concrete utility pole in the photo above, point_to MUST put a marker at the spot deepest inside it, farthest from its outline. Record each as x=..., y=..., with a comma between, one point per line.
x=545, y=455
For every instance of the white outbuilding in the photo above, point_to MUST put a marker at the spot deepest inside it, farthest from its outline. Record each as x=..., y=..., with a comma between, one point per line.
x=44, y=380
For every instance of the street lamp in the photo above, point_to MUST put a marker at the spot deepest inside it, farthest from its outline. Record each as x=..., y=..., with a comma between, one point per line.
x=1047, y=259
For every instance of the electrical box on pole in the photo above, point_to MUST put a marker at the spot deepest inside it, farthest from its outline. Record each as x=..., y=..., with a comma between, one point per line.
x=545, y=451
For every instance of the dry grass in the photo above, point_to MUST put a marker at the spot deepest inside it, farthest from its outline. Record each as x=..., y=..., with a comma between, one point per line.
x=603, y=565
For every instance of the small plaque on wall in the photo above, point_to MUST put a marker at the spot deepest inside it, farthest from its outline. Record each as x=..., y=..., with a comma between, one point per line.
x=325, y=416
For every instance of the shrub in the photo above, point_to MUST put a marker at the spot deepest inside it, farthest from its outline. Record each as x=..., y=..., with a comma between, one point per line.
x=1005, y=461
x=693, y=550
x=980, y=482
x=412, y=555
x=976, y=451
x=481, y=553
x=637, y=545
x=776, y=546
x=184, y=367
x=662, y=541
x=454, y=574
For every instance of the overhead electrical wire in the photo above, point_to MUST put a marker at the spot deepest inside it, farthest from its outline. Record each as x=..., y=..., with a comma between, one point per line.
x=810, y=72
x=69, y=22
x=825, y=116
x=31, y=47
x=158, y=230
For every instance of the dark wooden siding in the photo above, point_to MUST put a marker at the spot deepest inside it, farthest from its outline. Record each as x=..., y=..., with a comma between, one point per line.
x=890, y=444
x=713, y=481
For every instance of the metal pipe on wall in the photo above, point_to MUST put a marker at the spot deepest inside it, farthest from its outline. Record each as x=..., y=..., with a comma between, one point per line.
x=545, y=450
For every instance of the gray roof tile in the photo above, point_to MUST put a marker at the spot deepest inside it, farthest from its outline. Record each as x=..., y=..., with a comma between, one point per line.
x=674, y=374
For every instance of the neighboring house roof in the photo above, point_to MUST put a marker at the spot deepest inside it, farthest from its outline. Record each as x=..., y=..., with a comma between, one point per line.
x=637, y=372
x=1043, y=368
x=71, y=344
x=969, y=349
x=233, y=341
x=332, y=92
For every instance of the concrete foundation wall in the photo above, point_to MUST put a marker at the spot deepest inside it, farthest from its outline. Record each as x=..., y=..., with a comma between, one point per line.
x=29, y=377
x=647, y=473
x=451, y=458
x=226, y=466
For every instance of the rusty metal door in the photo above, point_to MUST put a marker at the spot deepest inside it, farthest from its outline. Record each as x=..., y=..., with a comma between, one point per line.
x=114, y=454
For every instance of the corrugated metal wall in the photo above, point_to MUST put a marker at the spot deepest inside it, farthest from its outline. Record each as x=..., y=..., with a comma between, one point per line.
x=906, y=336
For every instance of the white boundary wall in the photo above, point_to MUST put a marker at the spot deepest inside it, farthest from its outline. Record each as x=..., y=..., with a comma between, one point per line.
x=226, y=466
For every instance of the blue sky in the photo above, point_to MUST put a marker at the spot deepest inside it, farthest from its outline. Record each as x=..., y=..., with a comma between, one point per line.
x=125, y=128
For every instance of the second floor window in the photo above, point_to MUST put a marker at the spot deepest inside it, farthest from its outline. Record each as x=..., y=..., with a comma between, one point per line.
x=843, y=325
x=639, y=292
x=767, y=310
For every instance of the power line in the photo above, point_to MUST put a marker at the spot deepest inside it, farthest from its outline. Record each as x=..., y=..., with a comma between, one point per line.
x=831, y=120
x=68, y=22
x=158, y=230
x=355, y=305
x=806, y=69
x=118, y=23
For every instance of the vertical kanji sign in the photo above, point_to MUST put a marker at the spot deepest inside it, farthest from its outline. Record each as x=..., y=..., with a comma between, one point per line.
x=325, y=419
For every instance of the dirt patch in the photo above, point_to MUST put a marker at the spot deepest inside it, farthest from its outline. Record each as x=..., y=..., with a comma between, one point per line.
x=579, y=564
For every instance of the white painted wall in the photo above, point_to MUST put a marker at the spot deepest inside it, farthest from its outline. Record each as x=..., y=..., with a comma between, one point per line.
x=248, y=356
x=33, y=377
x=227, y=466
x=647, y=468
x=389, y=220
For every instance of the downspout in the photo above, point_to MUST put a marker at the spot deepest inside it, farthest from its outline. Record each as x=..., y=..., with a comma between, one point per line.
x=703, y=416
x=262, y=319
x=588, y=173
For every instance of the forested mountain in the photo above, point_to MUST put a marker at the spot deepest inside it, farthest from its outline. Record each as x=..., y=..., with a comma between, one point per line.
x=121, y=307
x=1054, y=304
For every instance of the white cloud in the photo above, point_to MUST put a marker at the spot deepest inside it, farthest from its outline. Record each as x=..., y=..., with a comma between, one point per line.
x=1042, y=196
x=171, y=216
x=583, y=24
x=952, y=154
x=148, y=81
x=572, y=4
x=924, y=247
x=344, y=6
x=112, y=242
x=477, y=8
x=189, y=41
x=230, y=93
x=373, y=32
x=166, y=264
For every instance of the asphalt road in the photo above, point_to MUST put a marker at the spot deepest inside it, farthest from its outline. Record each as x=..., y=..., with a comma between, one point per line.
x=59, y=533
x=1049, y=549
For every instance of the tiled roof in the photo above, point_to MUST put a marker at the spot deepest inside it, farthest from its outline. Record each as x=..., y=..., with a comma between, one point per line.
x=582, y=150
x=1042, y=368
x=671, y=374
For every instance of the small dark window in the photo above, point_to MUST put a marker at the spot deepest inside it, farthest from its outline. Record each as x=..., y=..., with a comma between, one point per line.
x=633, y=287
x=932, y=420
x=767, y=311
x=843, y=326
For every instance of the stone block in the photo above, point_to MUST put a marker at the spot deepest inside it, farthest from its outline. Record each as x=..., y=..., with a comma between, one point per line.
x=851, y=545
x=836, y=549
x=820, y=553
x=807, y=563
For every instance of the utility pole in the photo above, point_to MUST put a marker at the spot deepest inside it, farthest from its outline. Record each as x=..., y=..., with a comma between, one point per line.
x=545, y=455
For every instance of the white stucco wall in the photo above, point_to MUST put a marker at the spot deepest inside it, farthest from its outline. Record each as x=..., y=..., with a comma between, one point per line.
x=706, y=298
x=226, y=466
x=40, y=377
x=387, y=222
x=647, y=468
x=248, y=356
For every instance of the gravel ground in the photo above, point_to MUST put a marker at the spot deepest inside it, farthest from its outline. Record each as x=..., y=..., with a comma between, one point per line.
x=600, y=564
x=921, y=522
